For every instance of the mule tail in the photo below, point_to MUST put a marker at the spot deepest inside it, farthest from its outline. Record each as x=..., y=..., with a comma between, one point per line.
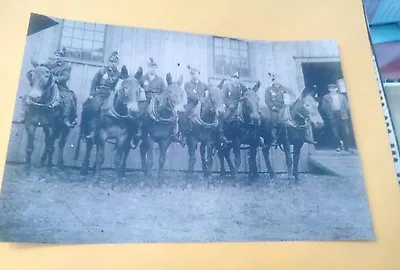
x=78, y=145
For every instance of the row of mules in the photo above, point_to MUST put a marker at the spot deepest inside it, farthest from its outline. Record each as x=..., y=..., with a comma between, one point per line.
x=45, y=110
x=118, y=122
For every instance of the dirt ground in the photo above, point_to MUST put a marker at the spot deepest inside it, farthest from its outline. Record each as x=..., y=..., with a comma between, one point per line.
x=68, y=208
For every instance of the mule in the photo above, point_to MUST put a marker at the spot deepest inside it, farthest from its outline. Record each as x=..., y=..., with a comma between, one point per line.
x=117, y=121
x=242, y=128
x=292, y=132
x=205, y=121
x=160, y=121
x=45, y=109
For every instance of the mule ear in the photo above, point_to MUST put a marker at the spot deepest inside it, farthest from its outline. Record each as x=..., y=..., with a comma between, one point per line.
x=180, y=80
x=168, y=78
x=124, y=72
x=256, y=86
x=139, y=73
x=221, y=84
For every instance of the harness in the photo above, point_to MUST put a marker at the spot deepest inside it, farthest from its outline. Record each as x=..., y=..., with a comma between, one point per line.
x=290, y=122
x=199, y=121
x=112, y=110
x=153, y=113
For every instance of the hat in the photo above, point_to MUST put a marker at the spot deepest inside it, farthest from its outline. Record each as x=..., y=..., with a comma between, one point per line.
x=235, y=75
x=152, y=64
x=332, y=86
x=273, y=76
x=113, y=56
x=193, y=70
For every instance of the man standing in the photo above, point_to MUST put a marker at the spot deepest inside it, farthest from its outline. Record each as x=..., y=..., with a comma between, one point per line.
x=103, y=84
x=336, y=108
x=61, y=71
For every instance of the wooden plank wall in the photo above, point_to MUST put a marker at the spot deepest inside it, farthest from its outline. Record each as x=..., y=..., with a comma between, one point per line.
x=136, y=46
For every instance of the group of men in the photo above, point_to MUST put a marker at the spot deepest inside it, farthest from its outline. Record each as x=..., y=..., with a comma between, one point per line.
x=106, y=79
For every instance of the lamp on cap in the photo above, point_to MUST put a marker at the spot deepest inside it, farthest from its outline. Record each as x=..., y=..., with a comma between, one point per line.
x=193, y=70
x=152, y=64
x=113, y=56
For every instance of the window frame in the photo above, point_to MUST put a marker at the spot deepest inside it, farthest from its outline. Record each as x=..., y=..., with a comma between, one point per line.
x=81, y=61
x=224, y=76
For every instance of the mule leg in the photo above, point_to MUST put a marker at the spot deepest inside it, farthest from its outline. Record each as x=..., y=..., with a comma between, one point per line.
x=122, y=144
x=252, y=163
x=85, y=163
x=61, y=145
x=203, y=158
x=124, y=160
x=231, y=166
x=236, y=152
x=221, y=157
x=296, y=158
x=143, y=157
x=209, y=162
x=100, y=149
x=30, y=146
x=150, y=153
x=289, y=160
x=44, y=156
x=191, y=144
x=49, y=148
x=164, y=145
x=270, y=169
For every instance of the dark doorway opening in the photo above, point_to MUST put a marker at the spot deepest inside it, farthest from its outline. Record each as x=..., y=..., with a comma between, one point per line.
x=317, y=76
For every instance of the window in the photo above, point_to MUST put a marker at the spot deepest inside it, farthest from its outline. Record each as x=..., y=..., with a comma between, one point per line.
x=83, y=41
x=231, y=55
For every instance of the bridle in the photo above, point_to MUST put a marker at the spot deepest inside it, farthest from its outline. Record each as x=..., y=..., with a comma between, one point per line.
x=54, y=98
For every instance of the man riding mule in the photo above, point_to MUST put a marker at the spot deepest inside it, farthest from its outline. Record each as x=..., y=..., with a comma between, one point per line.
x=61, y=71
x=152, y=85
x=103, y=83
x=196, y=92
x=278, y=98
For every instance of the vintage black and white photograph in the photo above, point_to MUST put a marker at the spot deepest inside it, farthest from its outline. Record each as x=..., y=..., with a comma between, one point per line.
x=125, y=134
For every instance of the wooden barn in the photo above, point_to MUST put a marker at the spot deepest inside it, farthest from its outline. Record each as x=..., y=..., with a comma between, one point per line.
x=298, y=64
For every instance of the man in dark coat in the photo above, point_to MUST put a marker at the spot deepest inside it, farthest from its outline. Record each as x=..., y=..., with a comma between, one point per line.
x=233, y=91
x=337, y=111
x=195, y=91
x=61, y=71
x=103, y=83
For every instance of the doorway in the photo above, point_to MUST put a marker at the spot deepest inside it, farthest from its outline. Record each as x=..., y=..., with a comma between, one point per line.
x=317, y=76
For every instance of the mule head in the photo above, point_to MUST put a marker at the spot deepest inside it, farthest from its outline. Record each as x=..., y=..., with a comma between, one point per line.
x=176, y=96
x=130, y=89
x=250, y=104
x=40, y=80
x=309, y=110
x=216, y=97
